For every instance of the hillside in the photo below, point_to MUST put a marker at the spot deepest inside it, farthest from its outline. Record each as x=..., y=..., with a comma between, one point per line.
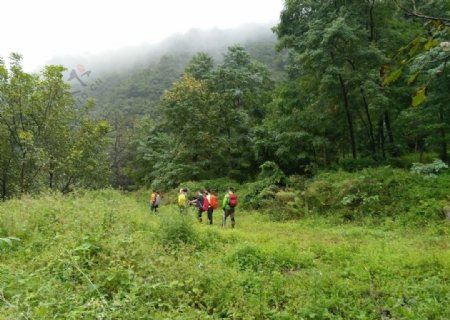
x=103, y=255
x=133, y=79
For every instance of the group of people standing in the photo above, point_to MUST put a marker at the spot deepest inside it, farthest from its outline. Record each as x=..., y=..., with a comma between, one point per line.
x=207, y=202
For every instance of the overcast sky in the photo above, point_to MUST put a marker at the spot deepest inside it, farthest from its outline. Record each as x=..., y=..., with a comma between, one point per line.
x=41, y=29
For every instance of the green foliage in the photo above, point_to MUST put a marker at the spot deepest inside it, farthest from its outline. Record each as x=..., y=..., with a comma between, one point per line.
x=101, y=254
x=252, y=258
x=370, y=195
x=353, y=165
x=8, y=243
x=46, y=140
x=206, y=120
x=176, y=230
x=343, y=102
x=261, y=192
x=376, y=193
x=272, y=174
x=429, y=170
x=218, y=186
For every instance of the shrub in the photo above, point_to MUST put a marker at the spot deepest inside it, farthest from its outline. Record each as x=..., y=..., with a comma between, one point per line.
x=429, y=170
x=377, y=192
x=272, y=174
x=176, y=230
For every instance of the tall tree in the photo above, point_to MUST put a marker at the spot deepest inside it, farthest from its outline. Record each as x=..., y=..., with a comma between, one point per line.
x=46, y=141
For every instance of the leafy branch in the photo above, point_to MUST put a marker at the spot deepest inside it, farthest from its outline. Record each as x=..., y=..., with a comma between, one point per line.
x=415, y=14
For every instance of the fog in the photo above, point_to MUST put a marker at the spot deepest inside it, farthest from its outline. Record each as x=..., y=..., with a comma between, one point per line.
x=45, y=29
x=213, y=41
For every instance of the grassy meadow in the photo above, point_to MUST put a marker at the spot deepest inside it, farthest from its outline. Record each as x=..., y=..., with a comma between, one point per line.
x=103, y=255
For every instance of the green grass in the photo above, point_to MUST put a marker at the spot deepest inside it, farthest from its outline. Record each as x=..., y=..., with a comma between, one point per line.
x=102, y=255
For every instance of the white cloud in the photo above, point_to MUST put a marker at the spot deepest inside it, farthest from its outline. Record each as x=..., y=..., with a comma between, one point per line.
x=41, y=29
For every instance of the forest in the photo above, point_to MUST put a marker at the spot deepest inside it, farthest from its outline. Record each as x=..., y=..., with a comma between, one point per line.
x=350, y=84
x=333, y=126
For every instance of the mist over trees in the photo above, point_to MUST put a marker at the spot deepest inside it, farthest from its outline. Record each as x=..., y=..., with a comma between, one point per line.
x=334, y=83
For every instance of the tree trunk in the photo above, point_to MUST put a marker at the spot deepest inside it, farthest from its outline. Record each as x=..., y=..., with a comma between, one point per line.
x=367, y=112
x=443, y=125
x=22, y=177
x=371, y=21
x=348, y=116
x=369, y=120
x=51, y=174
x=443, y=135
x=4, y=190
x=387, y=122
x=381, y=140
x=50, y=178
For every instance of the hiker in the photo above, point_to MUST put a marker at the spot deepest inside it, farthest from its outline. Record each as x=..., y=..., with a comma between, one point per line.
x=155, y=198
x=157, y=201
x=183, y=202
x=152, y=200
x=213, y=204
x=201, y=203
x=228, y=204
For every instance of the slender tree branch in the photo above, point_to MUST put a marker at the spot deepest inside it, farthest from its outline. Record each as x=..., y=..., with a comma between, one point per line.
x=415, y=14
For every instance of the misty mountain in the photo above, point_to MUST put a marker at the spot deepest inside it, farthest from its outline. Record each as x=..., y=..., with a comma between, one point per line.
x=130, y=81
x=213, y=41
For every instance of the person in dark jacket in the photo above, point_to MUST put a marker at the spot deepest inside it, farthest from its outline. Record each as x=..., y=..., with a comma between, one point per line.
x=199, y=204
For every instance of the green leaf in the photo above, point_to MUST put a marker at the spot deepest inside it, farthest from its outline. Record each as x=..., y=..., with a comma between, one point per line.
x=393, y=76
x=415, y=46
x=412, y=79
x=419, y=97
x=4, y=242
x=430, y=43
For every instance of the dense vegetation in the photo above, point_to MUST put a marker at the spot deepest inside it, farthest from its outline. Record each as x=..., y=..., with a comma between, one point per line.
x=363, y=80
x=45, y=140
x=334, y=132
x=101, y=254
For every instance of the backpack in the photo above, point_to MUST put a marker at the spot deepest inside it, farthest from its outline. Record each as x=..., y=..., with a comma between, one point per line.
x=182, y=200
x=205, y=204
x=213, y=202
x=233, y=200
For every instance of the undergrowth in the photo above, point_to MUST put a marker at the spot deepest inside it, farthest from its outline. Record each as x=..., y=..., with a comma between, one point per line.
x=103, y=255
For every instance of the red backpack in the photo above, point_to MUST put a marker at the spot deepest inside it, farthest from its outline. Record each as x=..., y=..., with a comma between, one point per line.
x=233, y=200
x=213, y=202
x=205, y=204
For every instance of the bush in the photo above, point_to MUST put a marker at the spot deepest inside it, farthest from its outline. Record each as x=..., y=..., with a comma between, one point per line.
x=176, y=230
x=377, y=192
x=407, y=160
x=261, y=193
x=429, y=170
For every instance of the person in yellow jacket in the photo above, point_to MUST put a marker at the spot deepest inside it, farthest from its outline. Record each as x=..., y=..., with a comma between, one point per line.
x=183, y=203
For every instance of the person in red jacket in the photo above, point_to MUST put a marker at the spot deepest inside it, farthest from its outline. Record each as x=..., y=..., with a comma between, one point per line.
x=228, y=204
